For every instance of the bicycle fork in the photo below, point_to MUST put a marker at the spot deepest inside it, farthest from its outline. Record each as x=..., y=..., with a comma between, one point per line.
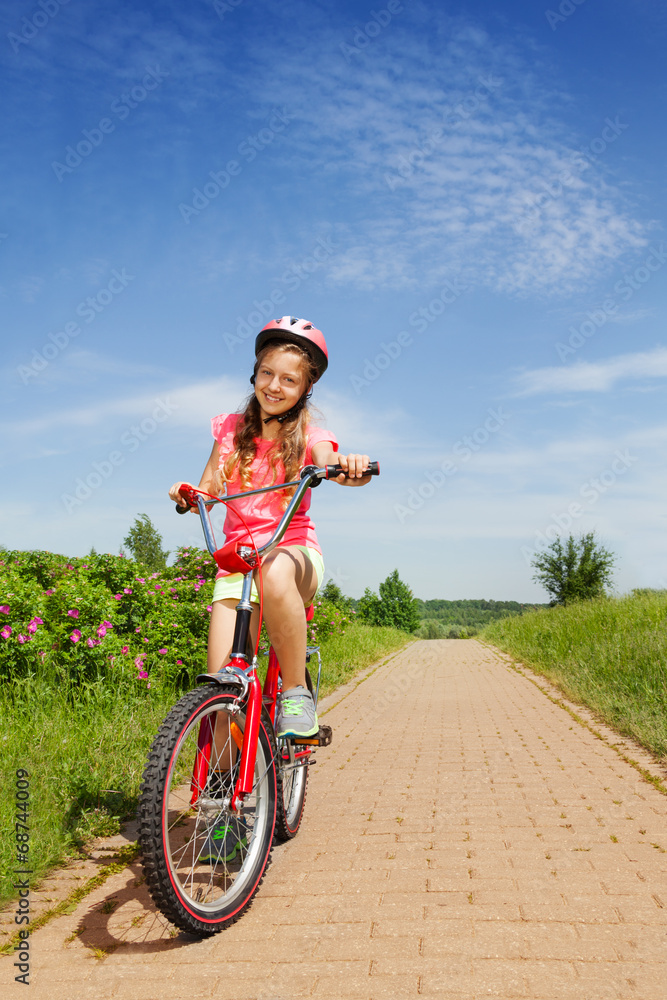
x=246, y=743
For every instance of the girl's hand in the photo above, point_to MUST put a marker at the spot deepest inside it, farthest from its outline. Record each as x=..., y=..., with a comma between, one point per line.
x=354, y=466
x=175, y=493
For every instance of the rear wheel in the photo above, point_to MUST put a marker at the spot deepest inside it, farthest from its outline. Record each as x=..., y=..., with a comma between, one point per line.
x=293, y=762
x=203, y=863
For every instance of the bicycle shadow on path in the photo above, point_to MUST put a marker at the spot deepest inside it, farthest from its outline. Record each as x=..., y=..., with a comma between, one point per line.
x=117, y=913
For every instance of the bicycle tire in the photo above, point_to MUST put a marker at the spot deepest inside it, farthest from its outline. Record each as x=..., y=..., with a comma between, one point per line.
x=292, y=787
x=203, y=897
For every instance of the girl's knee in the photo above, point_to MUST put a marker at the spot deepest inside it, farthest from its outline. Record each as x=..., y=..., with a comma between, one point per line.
x=279, y=572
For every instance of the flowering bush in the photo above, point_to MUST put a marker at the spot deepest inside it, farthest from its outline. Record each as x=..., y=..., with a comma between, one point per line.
x=329, y=619
x=104, y=617
x=99, y=617
x=191, y=562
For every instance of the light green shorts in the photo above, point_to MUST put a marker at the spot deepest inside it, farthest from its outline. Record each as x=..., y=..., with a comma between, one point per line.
x=229, y=587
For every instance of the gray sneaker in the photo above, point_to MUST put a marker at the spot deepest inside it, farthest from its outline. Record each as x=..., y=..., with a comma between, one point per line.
x=227, y=837
x=297, y=715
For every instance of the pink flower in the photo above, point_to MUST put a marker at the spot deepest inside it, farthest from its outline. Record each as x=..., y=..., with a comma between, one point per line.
x=6, y=632
x=139, y=661
x=107, y=624
x=4, y=608
x=76, y=635
x=49, y=592
x=138, y=629
x=101, y=631
x=162, y=651
x=23, y=638
x=73, y=612
x=32, y=628
x=127, y=590
x=142, y=675
x=118, y=597
x=92, y=642
x=209, y=608
x=111, y=660
x=148, y=685
x=140, y=579
x=179, y=662
x=145, y=640
x=125, y=650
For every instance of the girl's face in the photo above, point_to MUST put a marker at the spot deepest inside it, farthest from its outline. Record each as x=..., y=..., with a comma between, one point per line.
x=280, y=382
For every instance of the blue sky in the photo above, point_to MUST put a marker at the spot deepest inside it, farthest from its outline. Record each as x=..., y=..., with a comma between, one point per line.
x=467, y=199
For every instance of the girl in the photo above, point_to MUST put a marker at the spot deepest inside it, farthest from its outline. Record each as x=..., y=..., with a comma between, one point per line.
x=269, y=443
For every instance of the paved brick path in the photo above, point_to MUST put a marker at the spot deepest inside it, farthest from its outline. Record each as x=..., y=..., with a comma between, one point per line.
x=464, y=837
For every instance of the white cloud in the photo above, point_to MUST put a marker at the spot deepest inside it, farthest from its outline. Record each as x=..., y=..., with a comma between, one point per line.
x=501, y=195
x=191, y=406
x=585, y=376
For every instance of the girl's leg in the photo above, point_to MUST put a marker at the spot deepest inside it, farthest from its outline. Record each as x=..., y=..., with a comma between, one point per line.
x=290, y=582
x=221, y=632
x=220, y=636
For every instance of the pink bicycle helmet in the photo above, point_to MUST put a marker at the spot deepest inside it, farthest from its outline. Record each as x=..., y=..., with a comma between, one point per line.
x=297, y=331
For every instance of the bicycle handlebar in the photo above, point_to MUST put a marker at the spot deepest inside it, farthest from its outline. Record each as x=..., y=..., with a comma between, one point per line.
x=311, y=471
x=311, y=475
x=335, y=470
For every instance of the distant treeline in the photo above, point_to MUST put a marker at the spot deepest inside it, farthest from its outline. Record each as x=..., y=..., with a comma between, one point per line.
x=471, y=613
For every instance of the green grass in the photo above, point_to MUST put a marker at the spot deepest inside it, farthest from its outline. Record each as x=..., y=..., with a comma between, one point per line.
x=85, y=751
x=84, y=762
x=609, y=654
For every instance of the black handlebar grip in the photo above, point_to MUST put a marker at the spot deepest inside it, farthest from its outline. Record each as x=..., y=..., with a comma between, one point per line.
x=181, y=510
x=335, y=470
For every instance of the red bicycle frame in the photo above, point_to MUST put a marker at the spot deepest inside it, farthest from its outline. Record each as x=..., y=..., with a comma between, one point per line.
x=240, y=668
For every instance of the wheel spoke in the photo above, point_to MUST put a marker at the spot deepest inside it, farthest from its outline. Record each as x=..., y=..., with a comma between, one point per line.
x=211, y=860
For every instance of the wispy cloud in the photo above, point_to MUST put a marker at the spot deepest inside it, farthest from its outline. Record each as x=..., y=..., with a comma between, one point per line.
x=192, y=406
x=594, y=376
x=466, y=200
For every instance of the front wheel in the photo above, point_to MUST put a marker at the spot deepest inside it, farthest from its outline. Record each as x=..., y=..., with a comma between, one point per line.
x=204, y=863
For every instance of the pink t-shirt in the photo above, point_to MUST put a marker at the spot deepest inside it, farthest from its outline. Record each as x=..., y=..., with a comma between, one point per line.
x=263, y=512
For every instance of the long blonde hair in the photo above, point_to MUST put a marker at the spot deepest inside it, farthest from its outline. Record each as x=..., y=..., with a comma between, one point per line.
x=290, y=445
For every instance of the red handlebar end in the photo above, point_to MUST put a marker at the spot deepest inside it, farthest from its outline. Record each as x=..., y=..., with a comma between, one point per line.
x=189, y=494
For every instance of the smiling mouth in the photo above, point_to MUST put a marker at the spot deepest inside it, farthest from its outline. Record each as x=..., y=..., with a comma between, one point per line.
x=272, y=399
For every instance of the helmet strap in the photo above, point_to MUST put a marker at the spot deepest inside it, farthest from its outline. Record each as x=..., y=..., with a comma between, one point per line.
x=294, y=412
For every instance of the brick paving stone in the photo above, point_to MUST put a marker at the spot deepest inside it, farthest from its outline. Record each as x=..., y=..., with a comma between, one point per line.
x=457, y=843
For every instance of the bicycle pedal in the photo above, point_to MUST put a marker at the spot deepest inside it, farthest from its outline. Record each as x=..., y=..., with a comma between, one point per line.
x=323, y=738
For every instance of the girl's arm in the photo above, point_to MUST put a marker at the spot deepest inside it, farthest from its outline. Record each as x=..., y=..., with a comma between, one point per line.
x=207, y=481
x=354, y=465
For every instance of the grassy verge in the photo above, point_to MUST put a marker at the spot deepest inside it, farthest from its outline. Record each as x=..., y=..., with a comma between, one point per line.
x=608, y=654
x=85, y=752
x=84, y=760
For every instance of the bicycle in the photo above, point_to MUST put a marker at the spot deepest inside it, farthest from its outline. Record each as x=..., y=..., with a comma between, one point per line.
x=257, y=791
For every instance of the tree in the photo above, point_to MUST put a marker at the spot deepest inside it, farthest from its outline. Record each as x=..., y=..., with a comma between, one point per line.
x=574, y=571
x=431, y=629
x=332, y=592
x=395, y=605
x=145, y=543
